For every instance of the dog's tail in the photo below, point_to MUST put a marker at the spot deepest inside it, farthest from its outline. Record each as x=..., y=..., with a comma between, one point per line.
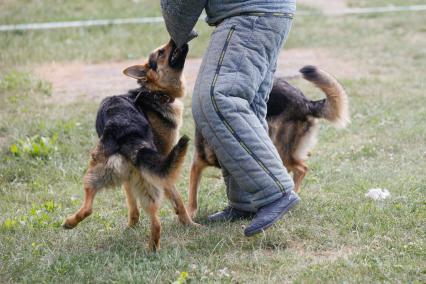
x=335, y=107
x=162, y=171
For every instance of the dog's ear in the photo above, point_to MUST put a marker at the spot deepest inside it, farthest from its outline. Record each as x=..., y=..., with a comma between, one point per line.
x=136, y=71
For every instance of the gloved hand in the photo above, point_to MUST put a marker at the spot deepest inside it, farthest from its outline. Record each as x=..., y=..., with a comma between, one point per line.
x=180, y=17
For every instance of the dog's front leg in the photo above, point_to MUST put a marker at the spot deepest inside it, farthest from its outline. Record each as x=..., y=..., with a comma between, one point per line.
x=174, y=196
x=151, y=206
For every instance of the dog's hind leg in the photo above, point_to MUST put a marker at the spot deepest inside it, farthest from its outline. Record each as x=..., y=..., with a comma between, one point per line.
x=132, y=205
x=176, y=200
x=299, y=172
x=197, y=168
x=151, y=206
x=85, y=210
x=100, y=174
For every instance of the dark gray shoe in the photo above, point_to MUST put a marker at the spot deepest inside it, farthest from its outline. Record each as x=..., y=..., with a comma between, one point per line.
x=271, y=213
x=229, y=214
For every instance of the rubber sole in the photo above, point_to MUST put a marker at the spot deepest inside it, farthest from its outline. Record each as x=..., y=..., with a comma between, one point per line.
x=218, y=219
x=286, y=209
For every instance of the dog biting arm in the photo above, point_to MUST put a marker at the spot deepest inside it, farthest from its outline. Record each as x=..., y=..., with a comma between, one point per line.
x=180, y=17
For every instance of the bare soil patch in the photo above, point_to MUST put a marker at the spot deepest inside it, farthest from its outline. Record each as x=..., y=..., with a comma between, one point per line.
x=79, y=81
x=75, y=81
x=291, y=60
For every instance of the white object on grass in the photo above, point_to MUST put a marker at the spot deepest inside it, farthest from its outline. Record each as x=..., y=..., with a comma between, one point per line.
x=378, y=194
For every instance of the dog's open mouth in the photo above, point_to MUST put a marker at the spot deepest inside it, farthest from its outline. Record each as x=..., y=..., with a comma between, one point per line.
x=178, y=56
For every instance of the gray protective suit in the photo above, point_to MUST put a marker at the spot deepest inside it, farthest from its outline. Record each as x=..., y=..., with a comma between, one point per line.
x=232, y=88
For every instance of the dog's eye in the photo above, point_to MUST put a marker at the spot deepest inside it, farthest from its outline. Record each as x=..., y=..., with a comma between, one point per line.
x=161, y=53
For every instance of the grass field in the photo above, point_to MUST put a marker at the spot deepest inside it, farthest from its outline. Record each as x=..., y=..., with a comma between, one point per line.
x=335, y=235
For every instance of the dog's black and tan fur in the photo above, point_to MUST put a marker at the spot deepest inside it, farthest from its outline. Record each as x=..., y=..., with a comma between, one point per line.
x=137, y=147
x=293, y=126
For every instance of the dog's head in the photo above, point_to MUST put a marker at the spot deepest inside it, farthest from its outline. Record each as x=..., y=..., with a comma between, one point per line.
x=163, y=71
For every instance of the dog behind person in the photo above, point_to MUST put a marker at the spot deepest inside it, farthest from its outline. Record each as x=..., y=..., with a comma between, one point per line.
x=293, y=123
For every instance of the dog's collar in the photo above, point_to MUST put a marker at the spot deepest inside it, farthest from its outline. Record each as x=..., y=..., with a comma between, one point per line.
x=161, y=98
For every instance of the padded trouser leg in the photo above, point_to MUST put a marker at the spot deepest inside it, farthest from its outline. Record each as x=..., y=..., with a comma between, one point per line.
x=239, y=59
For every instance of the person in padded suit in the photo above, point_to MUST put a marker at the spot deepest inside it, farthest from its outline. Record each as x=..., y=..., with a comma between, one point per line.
x=230, y=97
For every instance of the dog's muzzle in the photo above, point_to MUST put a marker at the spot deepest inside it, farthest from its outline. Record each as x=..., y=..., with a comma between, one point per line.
x=178, y=55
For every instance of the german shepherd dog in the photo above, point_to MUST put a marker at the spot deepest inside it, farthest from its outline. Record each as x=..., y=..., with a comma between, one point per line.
x=293, y=126
x=137, y=145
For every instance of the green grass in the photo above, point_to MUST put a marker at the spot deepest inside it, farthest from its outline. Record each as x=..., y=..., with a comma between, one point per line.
x=23, y=11
x=335, y=235
x=92, y=44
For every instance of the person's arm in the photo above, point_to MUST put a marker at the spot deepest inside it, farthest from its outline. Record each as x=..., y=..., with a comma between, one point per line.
x=180, y=17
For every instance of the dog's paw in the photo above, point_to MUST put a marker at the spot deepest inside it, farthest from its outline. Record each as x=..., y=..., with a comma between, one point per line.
x=183, y=141
x=191, y=212
x=68, y=224
x=153, y=246
x=196, y=225
x=131, y=226
x=187, y=221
